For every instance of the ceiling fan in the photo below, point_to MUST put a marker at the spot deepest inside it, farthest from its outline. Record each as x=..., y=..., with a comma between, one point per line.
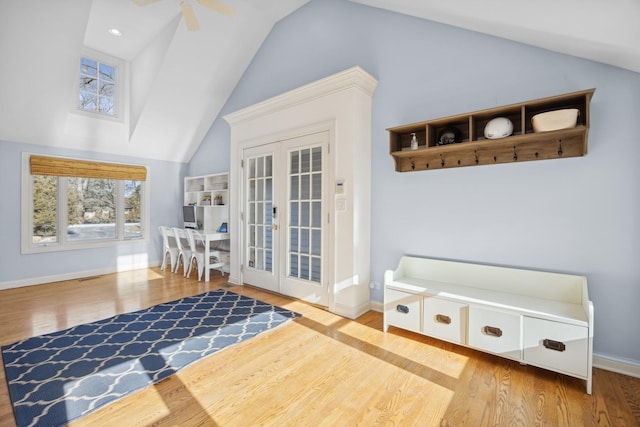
x=189, y=14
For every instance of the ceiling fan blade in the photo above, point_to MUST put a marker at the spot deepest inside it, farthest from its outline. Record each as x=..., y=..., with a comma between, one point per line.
x=144, y=2
x=218, y=7
x=189, y=17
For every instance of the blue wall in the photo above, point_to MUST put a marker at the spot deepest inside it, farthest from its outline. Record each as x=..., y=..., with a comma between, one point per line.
x=165, y=183
x=577, y=215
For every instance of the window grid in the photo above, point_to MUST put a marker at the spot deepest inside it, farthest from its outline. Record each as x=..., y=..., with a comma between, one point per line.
x=305, y=214
x=260, y=213
x=97, y=87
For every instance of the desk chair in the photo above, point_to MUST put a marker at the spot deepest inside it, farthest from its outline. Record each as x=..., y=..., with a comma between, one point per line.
x=184, y=251
x=169, y=247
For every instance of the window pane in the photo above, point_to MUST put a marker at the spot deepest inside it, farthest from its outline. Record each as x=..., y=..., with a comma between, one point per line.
x=106, y=105
x=107, y=73
x=89, y=84
x=88, y=67
x=132, y=217
x=91, y=209
x=45, y=218
x=107, y=89
x=88, y=101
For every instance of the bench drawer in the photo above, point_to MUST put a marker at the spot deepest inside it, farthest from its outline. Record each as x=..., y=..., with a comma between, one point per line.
x=496, y=332
x=402, y=309
x=445, y=319
x=557, y=346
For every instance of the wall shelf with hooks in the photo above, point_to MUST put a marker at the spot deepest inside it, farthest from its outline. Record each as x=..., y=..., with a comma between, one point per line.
x=474, y=149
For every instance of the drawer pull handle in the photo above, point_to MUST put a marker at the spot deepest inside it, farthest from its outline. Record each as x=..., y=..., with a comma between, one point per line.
x=441, y=318
x=492, y=331
x=402, y=308
x=554, y=345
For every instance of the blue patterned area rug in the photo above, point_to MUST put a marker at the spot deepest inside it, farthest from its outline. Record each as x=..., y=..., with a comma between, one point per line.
x=59, y=377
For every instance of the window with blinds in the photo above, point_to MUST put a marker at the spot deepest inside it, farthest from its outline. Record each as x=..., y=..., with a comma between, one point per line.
x=74, y=203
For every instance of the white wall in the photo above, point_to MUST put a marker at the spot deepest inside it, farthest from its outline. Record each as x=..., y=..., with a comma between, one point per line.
x=577, y=215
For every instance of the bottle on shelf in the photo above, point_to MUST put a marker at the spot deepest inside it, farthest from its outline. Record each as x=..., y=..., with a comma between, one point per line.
x=414, y=142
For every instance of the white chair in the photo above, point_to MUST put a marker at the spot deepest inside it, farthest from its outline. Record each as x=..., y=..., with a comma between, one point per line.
x=184, y=251
x=169, y=247
x=196, y=244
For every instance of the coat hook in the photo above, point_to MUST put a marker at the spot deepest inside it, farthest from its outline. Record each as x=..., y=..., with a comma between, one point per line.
x=413, y=166
x=560, y=152
x=427, y=165
x=536, y=153
x=515, y=154
x=475, y=154
x=441, y=160
x=458, y=162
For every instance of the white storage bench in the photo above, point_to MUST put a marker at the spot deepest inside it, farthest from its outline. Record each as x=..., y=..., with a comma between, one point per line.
x=537, y=318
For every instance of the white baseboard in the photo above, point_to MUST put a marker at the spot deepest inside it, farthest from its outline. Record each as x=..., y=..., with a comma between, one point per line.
x=32, y=281
x=617, y=364
x=376, y=306
x=351, y=312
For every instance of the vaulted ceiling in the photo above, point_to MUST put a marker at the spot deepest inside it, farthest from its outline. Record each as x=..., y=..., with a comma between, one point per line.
x=180, y=80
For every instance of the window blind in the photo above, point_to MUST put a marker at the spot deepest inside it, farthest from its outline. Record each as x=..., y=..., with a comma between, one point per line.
x=56, y=166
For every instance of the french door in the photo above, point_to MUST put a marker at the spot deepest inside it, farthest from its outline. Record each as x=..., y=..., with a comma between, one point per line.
x=285, y=217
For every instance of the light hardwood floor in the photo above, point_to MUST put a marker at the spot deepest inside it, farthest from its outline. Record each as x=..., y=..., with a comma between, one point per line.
x=318, y=370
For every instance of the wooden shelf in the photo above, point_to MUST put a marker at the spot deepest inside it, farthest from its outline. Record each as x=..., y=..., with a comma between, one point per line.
x=523, y=145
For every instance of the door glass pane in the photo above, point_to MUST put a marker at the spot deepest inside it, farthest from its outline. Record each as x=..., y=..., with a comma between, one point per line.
x=305, y=214
x=293, y=214
x=316, y=163
x=305, y=160
x=295, y=194
x=316, y=242
x=316, y=268
x=304, y=240
x=316, y=214
x=293, y=265
x=316, y=186
x=305, y=194
x=252, y=168
x=304, y=267
x=260, y=162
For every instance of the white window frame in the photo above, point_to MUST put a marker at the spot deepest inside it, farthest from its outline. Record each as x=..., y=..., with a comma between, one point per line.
x=62, y=244
x=119, y=91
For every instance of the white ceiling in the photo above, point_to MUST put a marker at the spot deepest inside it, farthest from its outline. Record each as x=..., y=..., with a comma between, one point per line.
x=177, y=92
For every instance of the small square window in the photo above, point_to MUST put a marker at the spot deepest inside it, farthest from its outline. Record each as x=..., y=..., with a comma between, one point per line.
x=97, y=87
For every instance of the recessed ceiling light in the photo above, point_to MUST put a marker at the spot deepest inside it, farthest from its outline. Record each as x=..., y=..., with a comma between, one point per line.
x=115, y=32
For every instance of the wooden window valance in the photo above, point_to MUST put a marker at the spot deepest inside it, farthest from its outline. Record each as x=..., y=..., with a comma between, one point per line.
x=55, y=166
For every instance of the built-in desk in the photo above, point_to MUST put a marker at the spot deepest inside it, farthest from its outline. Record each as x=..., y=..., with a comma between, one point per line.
x=208, y=237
